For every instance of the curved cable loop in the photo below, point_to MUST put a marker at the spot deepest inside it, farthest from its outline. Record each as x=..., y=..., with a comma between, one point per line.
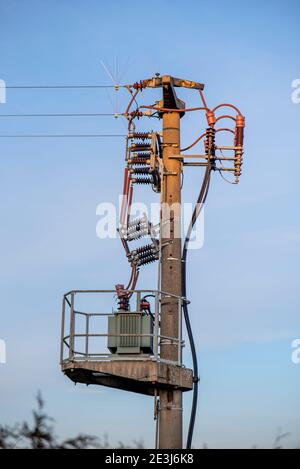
x=228, y=105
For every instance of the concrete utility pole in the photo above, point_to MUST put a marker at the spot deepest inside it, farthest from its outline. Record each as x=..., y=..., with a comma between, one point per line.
x=170, y=416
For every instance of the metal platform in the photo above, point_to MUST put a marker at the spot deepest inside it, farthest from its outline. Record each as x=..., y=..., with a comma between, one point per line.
x=142, y=376
x=84, y=360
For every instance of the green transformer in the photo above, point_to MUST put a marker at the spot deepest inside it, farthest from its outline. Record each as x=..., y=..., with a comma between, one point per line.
x=134, y=333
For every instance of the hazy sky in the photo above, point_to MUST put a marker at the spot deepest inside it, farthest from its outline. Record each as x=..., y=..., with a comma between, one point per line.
x=244, y=282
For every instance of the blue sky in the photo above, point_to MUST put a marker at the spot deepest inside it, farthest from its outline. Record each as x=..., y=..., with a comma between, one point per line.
x=243, y=284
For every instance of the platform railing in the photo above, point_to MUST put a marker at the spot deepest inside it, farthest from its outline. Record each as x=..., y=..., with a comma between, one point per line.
x=70, y=332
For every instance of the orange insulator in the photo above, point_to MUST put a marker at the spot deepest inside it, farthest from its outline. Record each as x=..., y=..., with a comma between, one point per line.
x=210, y=117
x=240, y=121
x=239, y=130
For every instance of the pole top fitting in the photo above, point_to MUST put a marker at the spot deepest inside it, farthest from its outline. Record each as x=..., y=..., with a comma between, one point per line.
x=158, y=81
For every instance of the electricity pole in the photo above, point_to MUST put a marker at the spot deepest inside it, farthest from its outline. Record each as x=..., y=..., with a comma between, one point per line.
x=170, y=416
x=155, y=370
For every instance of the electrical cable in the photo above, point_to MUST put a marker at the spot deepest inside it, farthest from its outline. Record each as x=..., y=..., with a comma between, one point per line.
x=44, y=87
x=149, y=296
x=130, y=280
x=203, y=99
x=220, y=170
x=62, y=136
x=194, y=143
x=225, y=117
x=200, y=201
x=149, y=311
x=64, y=115
x=227, y=105
x=225, y=179
x=131, y=125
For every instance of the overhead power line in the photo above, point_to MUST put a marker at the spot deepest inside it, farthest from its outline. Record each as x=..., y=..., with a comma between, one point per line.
x=86, y=114
x=24, y=87
x=62, y=136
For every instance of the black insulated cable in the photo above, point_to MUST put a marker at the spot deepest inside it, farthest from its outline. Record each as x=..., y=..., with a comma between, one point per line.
x=200, y=201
